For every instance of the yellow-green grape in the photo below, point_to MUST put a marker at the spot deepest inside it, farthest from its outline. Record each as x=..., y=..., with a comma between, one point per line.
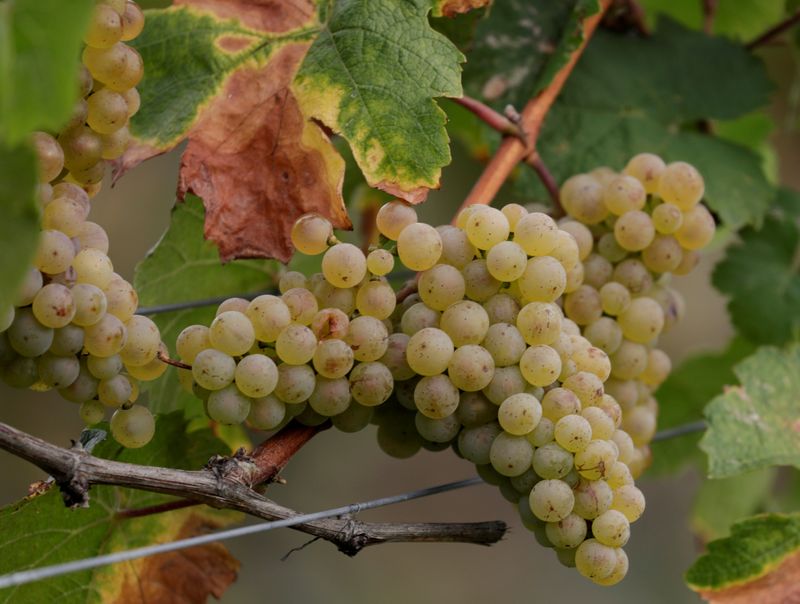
x=67, y=341
x=49, y=154
x=88, y=177
x=505, y=343
x=642, y=321
x=395, y=357
x=344, y=265
x=311, y=234
x=441, y=286
x=429, y=351
x=142, y=343
x=510, y=455
x=608, y=248
x=595, y=459
x=479, y=282
x=290, y=280
x=681, y=184
x=658, y=368
x=634, y=275
x=463, y=216
x=465, y=322
x=551, y=500
x=437, y=430
x=594, y=560
x=90, y=304
x=697, y=229
x=419, y=246
x=536, y=233
x=667, y=218
x=132, y=21
x=583, y=305
x=629, y=500
x=104, y=368
x=377, y=299
x=474, y=409
x=213, y=369
x=619, y=475
x=266, y=413
x=619, y=572
x=331, y=396
x=371, y=384
x=624, y=194
x=582, y=198
x=115, y=391
x=191, y=341
x=380, y=262
x=119, y=67
x=550, y=460
x=456, y=248
x=80, y=111
x=513, y=213
x=471, y=368
x=269, y=316
x=602, y=426
x=232, y=304
x=597, y=271
x=586, y=386
x=640, y=424
x=502, y=308
x=92, y=412
x=594, y=360
x=106, y=337
x=133, y=100
x=333, y=358
x=228, y=406
x=566, y=250
x=573, y=433
x=519, y=414
x=486, y=227
x=115, y=144
x=505, y=382
x=603, y=174
x=368, y=337
x=94, y=267
x=625, y=392
x=605, y=333
x=92, y=235
x=647, y=169
x=121, y=298
x=543, y=279
x=540, y=365
x=506, y=261
x=107, y=111
x=55, y=252
x=29, y=288
x=330, y=323
x=152, y=370
x=663, y=255
x=611, y=408
x=53, y=306
x=57, y=372
x=592, y=498
x=436, y=396
x=559, y=402
x=539, y=323
x=133, y=427
x=567, y=533
x=689, y=260
x=343, y=298
x=82, y=148
x=105, y=27
x=582, y=235
x=474, y=443
x=634, y=230
x=393, y=217
x=296, y=344
x=232, y=333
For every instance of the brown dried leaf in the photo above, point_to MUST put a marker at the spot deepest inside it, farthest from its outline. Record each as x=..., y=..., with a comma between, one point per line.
x=781, y=586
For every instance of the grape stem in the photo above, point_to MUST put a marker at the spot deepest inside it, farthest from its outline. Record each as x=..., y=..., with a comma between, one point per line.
x=164, y=358
x=535, y=161
x=774, y=31
x=227, y=483
x=490, y=117
x=512, y=150
x=709, y=13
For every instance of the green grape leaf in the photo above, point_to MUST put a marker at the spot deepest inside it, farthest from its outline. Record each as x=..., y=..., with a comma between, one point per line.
x=40, y=42
x=742, y=20
x=756, y=424
x=758, y=562
x=371, y=76
x=760, y=276
x=183, y=267
x=63, y=534
x=19, y=229
x=720, y=503
x=250, y=85
x=684, y=395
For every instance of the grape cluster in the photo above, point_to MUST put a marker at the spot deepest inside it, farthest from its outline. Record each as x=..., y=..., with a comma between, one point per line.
x=636, y=228
x=481, y=359
x=73, y=326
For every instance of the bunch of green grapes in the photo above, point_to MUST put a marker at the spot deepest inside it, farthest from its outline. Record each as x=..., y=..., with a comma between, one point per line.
x=480, y=359
x=73, y=326
x=635, y=228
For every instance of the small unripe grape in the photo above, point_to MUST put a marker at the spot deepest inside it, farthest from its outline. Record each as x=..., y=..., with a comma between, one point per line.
x=634, y=230
x=213, y=369
x=624, y=194
x=232, y=333
x=377, y=299
x=228, y=406
x=510, y=455
x=311, y=233
x=344, y=265
x=266, y=413
x=642, y=321
x=331, y=396
x=380, y=262
x=697, y=229
x=582, y=198
x=519, y=414
x=681, y=184
x=667, y=218
x=419, y=246
x=647, y=169
x=393, y=217
x=134, y=427
x=551, y=500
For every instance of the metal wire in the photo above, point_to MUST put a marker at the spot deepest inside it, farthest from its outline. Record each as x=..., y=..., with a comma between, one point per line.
x=46, y=572
x=681, y=430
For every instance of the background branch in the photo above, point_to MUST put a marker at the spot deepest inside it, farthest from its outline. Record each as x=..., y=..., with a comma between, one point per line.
x=512, y=150
x=774, y=31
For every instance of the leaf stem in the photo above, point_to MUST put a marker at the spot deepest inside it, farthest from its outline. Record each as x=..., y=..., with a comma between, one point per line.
x=709, y=13
x=774, y=31
x=490, y=117
x=535, y=161
x=512, y=150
